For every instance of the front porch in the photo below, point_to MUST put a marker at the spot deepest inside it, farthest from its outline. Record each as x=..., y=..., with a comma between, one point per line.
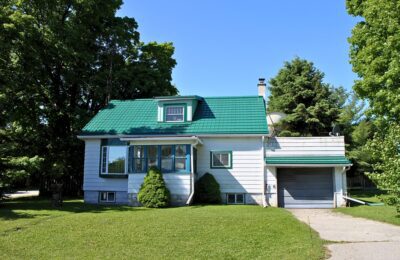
x=175, y=156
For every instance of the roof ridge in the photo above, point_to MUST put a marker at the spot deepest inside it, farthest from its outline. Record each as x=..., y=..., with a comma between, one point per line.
x=253, y=96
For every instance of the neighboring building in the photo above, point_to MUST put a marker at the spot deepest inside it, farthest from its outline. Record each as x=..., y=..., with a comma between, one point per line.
x=187, y=136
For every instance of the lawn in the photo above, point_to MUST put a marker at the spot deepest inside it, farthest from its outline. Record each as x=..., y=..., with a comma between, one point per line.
x=384, y=213
x=31, y=229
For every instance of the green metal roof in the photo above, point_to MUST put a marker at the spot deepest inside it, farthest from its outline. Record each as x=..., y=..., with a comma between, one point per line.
x=213, y=115
x=179, y=97
x=308, y=160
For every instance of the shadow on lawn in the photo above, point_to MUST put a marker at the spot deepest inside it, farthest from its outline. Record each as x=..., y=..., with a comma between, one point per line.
x=35, y=207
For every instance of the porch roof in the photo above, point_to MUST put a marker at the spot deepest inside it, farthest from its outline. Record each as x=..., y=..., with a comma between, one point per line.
x=308, y=160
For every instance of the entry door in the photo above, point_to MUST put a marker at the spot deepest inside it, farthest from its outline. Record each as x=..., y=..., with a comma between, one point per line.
x=305, y=187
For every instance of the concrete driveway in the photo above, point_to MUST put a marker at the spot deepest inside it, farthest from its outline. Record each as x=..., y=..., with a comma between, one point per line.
x=353, y=238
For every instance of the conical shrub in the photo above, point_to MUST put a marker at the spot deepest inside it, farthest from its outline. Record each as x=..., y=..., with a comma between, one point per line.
x=154, y=193
x=207, y=190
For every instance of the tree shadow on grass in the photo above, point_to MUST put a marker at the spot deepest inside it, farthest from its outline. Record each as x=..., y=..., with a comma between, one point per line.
x=41, y=207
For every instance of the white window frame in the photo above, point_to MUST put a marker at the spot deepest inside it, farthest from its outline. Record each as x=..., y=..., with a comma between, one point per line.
x=229, y=166
x=236, y=194
x=106, y=154
x=174, y=106
x=107, y=193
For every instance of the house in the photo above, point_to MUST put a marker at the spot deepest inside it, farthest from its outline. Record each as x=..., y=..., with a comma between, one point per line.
x=188, y=136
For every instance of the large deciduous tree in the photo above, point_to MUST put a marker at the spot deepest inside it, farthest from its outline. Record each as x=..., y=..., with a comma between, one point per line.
x=385, y=151
x=375, y=55
x=311, y=106
x=60, y=62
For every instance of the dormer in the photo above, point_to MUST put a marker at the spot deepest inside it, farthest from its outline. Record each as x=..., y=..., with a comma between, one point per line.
x=176, y=109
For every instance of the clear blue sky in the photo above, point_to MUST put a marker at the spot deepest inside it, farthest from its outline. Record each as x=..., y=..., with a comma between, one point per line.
x=222, y=47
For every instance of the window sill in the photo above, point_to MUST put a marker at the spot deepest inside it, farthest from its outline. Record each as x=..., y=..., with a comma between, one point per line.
x=162, y=173
x=114, y=176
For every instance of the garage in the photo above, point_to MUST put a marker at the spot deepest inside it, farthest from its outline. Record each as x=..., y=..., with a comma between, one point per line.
x=305, y=187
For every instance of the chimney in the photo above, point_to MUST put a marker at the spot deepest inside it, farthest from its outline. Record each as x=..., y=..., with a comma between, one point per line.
x=261, y=87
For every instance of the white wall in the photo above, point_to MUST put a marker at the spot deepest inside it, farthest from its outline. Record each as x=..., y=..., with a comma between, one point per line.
x=91, y=179
x=246, y=175
x=340, y=186
x=305, y=146
x=176, y=183
x=271, y=179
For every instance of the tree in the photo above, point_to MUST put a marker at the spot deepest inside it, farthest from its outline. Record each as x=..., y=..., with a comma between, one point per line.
x=385, y=151
x=311, y=105
x=374, y=54
x=154, y=193
x=62, y=61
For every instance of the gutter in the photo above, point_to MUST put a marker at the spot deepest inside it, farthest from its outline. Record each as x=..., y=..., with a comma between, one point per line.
x=84, y=137
x=191, y=195
x=264, y=201
x=180, y=138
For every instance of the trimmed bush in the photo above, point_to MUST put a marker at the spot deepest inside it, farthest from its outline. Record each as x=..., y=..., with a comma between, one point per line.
x=207, y=190
x=153, y=193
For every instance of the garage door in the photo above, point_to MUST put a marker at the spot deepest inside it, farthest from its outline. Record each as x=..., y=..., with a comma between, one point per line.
x=305, y=187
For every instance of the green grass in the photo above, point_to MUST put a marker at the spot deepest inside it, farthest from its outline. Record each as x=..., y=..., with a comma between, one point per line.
x=31, y=229
x=384, y=213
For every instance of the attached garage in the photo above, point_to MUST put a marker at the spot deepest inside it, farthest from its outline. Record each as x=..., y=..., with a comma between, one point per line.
x=305, y=187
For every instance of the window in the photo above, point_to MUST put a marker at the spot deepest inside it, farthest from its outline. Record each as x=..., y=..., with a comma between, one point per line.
x=180, y=157
x=139, y=159
x=113, y=159
x=167, y=159
x=107, y=196
x=152, y=156
x=174, y=113
x=221, y=159
x=235, y=198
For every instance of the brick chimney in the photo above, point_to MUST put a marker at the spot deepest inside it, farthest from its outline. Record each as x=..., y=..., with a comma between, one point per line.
x=261, y=87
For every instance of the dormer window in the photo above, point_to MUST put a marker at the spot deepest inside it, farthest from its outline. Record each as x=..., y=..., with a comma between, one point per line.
x=174, y=113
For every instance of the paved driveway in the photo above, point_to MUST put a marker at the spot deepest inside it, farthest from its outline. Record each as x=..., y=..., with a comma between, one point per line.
x=356, y=238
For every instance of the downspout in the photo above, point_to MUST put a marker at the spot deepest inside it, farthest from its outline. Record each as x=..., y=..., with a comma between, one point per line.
x=264, y=201
x=189, y=201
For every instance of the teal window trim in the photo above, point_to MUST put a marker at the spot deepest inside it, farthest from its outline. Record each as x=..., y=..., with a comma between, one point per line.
x=184, y=105
x=224, y=166
x=159, y=160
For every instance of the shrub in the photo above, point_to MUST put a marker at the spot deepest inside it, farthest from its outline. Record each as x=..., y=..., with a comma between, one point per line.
x=153, y=193
x=207, y=190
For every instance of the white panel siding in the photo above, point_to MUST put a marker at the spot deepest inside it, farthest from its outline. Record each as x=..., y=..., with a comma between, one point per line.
x=176, y=183
x=272, y=186
x=246, y=175
x=340, y=186
x=305, y=146
x=91, y=179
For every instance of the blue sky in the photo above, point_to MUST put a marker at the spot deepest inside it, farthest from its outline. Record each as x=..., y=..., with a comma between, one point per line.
x=222, y=47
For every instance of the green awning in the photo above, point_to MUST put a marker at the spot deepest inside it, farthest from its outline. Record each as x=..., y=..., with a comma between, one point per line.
x=293, y=160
